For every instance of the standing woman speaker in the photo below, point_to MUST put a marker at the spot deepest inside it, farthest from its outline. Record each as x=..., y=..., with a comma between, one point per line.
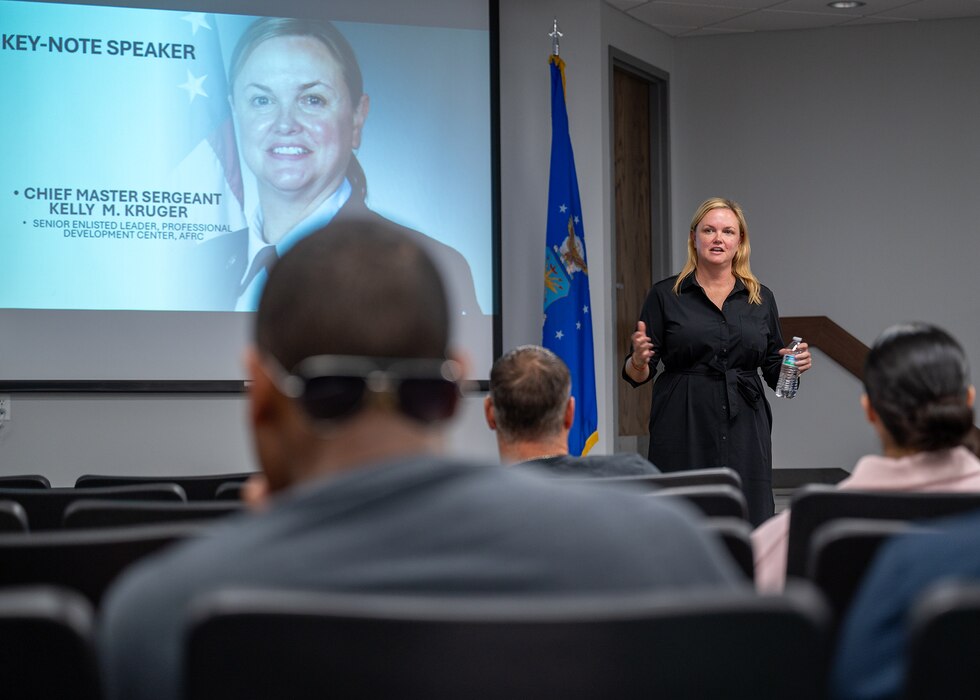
x=713, y=327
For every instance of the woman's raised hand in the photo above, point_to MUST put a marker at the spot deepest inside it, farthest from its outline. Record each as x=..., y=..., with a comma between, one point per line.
x=642, y=347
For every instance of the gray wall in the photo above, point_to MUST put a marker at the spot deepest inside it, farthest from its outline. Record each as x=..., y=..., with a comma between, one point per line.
x=851, y=150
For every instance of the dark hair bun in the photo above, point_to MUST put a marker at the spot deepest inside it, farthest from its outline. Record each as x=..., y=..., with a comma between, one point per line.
x=940, y=425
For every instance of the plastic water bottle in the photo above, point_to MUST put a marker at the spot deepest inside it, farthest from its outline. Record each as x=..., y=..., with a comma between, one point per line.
x=789, y=377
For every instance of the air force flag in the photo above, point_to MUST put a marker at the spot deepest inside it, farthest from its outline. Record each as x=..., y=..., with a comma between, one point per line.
x=567, y=307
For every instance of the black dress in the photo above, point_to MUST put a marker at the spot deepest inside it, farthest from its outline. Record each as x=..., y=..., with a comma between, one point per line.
x=709, y=407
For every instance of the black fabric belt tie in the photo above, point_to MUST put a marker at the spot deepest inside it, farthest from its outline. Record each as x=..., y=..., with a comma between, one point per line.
x=743, y=381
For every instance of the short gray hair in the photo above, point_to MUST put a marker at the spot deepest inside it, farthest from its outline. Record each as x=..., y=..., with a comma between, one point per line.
x=529, y=388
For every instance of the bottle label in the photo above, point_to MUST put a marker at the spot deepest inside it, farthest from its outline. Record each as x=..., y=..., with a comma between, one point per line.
x=789, y=360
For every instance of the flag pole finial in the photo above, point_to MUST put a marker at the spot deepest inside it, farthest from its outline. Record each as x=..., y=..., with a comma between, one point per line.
x=555, y=36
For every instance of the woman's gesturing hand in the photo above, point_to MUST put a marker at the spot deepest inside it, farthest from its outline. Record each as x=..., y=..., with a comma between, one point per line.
x=642, y=348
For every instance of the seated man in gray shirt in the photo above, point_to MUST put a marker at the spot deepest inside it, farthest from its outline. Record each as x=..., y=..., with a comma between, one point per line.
x=352, y=385
x=531, y=408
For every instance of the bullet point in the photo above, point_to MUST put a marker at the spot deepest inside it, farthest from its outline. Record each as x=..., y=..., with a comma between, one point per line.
x=16, y=192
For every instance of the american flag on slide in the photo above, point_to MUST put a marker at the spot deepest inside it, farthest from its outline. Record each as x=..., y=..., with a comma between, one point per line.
x=210, y=134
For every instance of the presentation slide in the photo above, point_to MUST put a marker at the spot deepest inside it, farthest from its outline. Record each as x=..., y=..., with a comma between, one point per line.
x=160, y=160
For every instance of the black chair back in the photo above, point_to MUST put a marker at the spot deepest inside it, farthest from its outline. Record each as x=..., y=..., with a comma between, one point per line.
x=700, y=477
x=690, y=477
x=13, y=517
x=841, y=552
x=196, y=488
x=24, y=481
x=715, y=501
x=84, y=560
x=944, y=644
x=89, y=514
x=46, y=507
x=229, y=491
x=46, y=648
x=736, y=535
x=814, y=505
x=721, y=643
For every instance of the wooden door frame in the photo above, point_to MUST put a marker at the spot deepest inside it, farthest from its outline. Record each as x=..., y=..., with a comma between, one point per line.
x=661, y=263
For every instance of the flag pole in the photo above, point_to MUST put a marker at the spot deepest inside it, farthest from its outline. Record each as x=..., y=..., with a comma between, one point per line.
x=567, y=327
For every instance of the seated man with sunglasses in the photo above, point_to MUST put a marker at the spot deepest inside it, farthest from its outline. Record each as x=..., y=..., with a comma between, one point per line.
x=531, y=409
x=351, y=388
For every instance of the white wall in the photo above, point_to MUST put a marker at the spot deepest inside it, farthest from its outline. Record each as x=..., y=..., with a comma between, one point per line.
x=64, y=437
x=852, y=150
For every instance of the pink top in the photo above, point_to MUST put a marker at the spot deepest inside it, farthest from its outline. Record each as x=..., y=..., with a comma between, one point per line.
x=956, y=469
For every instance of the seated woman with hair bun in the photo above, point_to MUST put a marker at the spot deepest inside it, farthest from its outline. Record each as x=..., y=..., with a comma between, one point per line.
x=919, y=400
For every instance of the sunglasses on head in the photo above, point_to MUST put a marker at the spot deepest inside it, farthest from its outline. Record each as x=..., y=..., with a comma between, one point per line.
x=334, y=387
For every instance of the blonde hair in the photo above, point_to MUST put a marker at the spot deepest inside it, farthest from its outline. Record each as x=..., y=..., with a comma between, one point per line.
x=740, y=263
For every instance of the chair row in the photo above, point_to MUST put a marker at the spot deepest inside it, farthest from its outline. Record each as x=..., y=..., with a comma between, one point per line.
x=89, y=560
x=86, y=561
x=715, y=492
x=830, y=540
x=715, y=476
x=38, y=506
x=93, y=513
x=202, y=488
x=834, y=535
x=196, y=488
x=268, y=644
x=276, y=643
x=206, y=487
x=53, y=508
x=835, y=551
x=24, y=510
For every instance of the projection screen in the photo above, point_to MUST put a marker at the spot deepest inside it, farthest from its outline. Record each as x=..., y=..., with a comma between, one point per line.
x=143, y=173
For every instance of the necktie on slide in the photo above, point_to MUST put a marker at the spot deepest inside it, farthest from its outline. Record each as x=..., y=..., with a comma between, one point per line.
x=264, y=260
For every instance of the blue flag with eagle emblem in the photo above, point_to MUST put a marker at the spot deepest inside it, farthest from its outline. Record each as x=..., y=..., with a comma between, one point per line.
x=567, y=309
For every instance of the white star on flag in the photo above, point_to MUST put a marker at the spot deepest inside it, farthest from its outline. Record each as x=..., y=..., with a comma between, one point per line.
x=559, y=335
x=194, y=86
x=585, y=309
x=197, y=20
x=576, y=219
x=578, y=325
x=562, y=208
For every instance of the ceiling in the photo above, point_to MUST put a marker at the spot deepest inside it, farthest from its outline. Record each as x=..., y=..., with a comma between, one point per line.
x=684, y=18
